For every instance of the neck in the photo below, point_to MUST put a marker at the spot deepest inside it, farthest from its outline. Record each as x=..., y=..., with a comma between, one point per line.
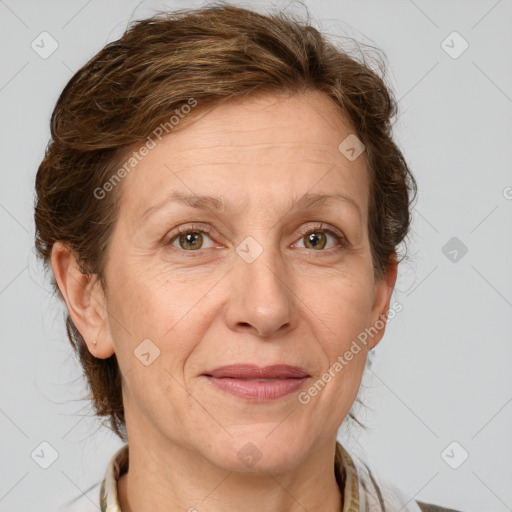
x=167, y=476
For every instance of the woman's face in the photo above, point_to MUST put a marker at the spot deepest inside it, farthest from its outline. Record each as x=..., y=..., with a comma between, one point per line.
x=254, y=282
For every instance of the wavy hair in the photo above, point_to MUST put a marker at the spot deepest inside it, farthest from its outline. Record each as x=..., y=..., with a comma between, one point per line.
x=214, y=53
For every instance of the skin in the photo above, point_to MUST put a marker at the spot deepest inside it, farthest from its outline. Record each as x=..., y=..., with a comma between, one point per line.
x=295, y=304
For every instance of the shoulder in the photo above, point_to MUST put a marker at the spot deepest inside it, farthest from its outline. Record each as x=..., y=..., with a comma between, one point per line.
x=428, y=507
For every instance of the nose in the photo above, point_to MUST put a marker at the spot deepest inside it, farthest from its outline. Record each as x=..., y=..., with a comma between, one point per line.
x=261, y=300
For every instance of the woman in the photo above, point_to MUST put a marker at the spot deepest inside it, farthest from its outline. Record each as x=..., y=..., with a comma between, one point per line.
x=220, y=204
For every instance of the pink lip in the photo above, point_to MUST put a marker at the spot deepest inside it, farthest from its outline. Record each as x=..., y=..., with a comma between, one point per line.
x=238, y=380
x=251, y=371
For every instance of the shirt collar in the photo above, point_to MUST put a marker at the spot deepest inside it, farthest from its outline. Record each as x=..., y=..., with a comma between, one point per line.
x=344, y=470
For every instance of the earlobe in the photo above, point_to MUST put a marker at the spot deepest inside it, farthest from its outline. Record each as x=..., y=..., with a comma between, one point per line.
x=383, y=291
x=84, y=299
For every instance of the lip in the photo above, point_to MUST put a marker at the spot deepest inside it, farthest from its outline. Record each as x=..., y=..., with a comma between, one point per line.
x=242, y=380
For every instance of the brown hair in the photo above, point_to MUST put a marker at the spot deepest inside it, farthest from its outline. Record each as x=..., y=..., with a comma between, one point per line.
x=211, y=54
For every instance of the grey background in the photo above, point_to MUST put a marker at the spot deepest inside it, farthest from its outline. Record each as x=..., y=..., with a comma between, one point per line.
x=442, y=371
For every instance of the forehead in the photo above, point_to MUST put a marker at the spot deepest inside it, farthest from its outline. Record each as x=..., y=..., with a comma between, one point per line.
x=258, y=150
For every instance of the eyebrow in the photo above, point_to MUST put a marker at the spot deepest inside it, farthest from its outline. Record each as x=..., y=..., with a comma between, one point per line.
x=207, y=202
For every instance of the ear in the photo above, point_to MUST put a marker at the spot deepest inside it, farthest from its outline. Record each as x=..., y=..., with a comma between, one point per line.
x=382, y=298
x=85, y=300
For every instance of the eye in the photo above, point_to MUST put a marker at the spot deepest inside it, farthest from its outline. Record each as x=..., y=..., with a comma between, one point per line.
x=316, y=238
x=190, y=238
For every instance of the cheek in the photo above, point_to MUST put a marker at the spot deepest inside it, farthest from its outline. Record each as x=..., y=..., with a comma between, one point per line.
x=148, y=303
x=341, y=312
x=342, y=306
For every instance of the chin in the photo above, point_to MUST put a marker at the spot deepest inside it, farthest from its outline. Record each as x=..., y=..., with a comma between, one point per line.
x=260, y=453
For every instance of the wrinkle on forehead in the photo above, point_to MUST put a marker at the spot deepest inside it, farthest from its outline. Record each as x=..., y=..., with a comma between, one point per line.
x=262, y=145
x=230, y=120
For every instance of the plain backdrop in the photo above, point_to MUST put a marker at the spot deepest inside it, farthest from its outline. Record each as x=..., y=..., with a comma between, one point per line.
x=438, y=396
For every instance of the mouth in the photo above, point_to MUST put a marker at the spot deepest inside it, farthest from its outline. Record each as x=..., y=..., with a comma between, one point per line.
x=258, y=384
x=252, y=372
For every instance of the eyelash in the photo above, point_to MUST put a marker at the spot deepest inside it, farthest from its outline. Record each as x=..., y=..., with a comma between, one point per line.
x=183, y=230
